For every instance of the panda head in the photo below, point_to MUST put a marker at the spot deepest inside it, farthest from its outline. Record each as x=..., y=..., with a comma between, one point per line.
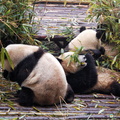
x=70, y=63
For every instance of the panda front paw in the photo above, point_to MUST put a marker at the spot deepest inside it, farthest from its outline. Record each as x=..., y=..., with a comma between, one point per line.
x=5, y=74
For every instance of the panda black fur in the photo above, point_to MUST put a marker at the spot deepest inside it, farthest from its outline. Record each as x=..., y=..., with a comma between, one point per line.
x=89, y=79
x=40, y=75
x=79, y=79
x=90, y=40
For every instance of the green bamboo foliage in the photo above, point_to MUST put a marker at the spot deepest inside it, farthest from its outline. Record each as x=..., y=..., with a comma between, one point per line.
x=74, y=57
x=16, y=23
x=108, y=12
x=3, y=54
x=16, y=20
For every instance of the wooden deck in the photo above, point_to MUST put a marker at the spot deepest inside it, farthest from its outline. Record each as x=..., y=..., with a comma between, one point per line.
x=96, y=106
x=54, y=18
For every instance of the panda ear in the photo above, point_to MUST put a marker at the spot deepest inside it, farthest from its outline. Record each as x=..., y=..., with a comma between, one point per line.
x=99, y=34
x=82, y=29
x=102, y=50
x=60, y=60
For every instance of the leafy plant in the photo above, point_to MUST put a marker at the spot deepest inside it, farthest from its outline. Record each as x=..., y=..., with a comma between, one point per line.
x=75, y=57
x=16, y=24
x=107, y=14
x=16, y=20
x=68, y=32
x=3, y=54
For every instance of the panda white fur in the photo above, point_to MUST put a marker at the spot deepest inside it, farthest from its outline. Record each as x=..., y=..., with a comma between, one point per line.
x=89, y=79
x=90, y=40
x=40, y=75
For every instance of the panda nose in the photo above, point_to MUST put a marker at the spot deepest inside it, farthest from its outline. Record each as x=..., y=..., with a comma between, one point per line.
x=84, y=57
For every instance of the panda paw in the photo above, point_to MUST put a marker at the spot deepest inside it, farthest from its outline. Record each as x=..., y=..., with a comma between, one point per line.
x=25, y=97
x=115, y=88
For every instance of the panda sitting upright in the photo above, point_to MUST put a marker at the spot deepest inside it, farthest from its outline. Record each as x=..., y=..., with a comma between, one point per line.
x=85, y=77
x=90, y=40
x=40, y=75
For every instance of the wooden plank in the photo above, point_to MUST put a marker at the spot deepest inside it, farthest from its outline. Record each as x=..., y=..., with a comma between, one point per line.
x=65, y=1
x=55, y=17
x=94, y=106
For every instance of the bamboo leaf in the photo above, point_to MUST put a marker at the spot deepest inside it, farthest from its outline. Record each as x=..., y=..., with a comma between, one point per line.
x=36, y=109
x=11, y=29
x=65, y=2
x=8, y=12
x=2, y=56
x=101, y=111
x=114, y=60
x=9, y=59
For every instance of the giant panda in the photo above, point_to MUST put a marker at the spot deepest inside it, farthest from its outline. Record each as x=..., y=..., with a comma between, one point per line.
x=90, y=40
x=86, y=78
x=40, y=75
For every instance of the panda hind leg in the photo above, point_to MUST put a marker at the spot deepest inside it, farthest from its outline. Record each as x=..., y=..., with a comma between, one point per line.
x=115, y=88
x=25, y=97
x=69, y=94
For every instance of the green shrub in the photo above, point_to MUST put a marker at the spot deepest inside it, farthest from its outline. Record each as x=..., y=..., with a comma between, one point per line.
x=108, y=12
x=16, y=18
x=16, y=24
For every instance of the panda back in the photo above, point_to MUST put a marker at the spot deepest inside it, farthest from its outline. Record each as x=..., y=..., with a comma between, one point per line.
x=87, y=39
x=47, y=67
x=47, y=79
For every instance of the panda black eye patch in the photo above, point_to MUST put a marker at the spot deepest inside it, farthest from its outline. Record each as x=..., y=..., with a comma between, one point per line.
x=24, y=68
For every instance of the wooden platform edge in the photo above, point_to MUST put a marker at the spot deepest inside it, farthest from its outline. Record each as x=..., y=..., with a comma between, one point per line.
x=62, y=2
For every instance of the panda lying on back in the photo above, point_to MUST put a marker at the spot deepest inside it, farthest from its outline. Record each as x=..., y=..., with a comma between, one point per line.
x=84, y=77
x=40, y=75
